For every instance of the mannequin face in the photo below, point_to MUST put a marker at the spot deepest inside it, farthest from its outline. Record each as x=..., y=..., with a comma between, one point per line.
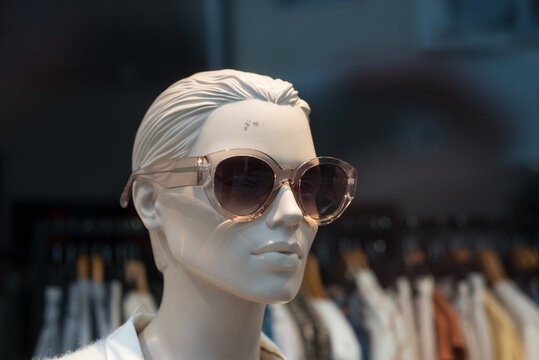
x=231, y=255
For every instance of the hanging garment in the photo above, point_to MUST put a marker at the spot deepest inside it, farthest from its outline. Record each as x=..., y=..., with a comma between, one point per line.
x=404, y=300
x=99, y=307
x=344, y=344
x=85, y=320
x=321, y=340
x=524, y=313
x=482, y=327
x=267, y=323
x=533, y=290
x=48, y=343
x=123, y=344
x=450, y=343
x=356, y=318
x=77, y=329
x=386, y=326
x=286, y=332
x=134, y=299
x=306, y=327
x=425, y=318
x=115, y=304
x=464, y=307
x=506, y=342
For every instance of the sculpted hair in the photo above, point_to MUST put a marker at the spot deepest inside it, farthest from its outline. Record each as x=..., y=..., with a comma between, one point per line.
x=174, y=120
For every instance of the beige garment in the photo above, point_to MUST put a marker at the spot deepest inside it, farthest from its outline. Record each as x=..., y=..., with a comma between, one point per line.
x=123, y=344
x=506, y=341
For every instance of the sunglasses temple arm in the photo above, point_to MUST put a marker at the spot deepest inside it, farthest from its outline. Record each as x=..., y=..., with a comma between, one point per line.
x=126, y=193
x=189, y=171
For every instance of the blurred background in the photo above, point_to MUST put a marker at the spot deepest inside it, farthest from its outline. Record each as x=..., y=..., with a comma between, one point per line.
x=436, y=102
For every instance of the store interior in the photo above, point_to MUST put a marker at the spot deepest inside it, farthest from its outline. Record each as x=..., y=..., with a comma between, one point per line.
x=436, y=103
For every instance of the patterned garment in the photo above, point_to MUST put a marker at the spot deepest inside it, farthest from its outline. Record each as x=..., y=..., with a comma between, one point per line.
x=306, y=326
x=323, y=344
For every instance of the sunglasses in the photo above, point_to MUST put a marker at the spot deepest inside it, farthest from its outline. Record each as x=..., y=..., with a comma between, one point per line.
x=242, y=183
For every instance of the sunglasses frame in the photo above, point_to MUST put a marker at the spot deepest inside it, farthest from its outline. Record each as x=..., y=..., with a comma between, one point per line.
x=200, y=171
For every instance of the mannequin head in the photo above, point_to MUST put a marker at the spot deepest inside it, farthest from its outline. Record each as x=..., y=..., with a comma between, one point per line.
x=210, y=112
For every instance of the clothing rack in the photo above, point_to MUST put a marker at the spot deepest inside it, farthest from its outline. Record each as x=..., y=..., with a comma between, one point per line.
x=382, y=235
x=54, y=240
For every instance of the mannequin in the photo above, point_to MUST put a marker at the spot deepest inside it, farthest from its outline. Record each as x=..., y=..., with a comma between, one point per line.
x=220, y=273
x=211, y=282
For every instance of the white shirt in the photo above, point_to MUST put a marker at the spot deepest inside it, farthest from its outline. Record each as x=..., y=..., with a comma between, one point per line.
x=404, y=298
x=464, y=307
x=123, y=344
x=425, y=318
x=524, y=313
x=480, y=320
x=387, y=329
x=344, y=344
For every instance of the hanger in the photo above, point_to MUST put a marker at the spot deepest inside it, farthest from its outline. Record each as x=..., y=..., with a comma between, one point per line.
x=355, y=260
x=56, y=269
x=98, y=268
x=461, y=262
x=525, y=259
x=83, y=268
x=135, y=271
x=492, y=265
x=415, y=264
x=312, y=282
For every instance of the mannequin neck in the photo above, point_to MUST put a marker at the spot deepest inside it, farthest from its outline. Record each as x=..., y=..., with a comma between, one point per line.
x=197, y=320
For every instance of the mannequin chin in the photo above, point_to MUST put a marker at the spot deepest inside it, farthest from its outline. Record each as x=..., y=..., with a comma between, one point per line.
x=224, y=252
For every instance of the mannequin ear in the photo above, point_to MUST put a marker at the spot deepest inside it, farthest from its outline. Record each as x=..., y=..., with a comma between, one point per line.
x=144, y=196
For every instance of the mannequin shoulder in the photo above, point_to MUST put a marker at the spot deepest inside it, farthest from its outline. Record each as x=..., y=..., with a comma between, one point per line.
x=90, y=352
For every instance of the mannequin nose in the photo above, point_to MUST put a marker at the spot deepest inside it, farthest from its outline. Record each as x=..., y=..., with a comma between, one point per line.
x=285, y=210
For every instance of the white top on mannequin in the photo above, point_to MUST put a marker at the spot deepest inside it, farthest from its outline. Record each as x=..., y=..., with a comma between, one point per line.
x=123, y=344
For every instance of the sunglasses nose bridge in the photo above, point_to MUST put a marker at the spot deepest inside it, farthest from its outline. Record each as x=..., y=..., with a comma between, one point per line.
x=286, y=176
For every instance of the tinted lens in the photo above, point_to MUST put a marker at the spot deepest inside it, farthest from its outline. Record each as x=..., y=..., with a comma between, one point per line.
x=322, y=190
x=242, y=184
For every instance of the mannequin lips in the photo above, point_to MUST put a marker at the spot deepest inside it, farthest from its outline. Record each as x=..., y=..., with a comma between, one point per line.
x=281, y=248
x=280, y=261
